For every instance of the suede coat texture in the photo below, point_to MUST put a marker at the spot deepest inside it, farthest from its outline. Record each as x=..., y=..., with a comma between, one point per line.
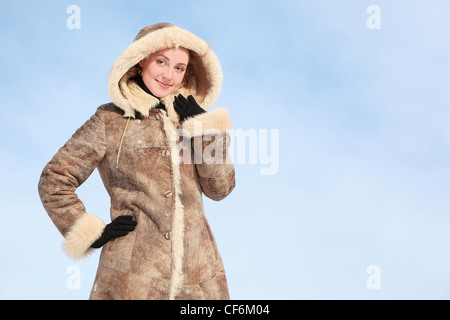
x=155, y=169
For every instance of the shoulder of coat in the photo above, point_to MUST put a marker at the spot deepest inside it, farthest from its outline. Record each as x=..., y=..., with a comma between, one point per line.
x=111, y=109
x=109, y=113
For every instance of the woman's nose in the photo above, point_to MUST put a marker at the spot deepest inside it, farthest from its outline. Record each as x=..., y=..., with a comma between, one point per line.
x=168, y=74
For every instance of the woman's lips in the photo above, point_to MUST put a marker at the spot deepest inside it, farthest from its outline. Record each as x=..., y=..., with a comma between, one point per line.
x=164, y=85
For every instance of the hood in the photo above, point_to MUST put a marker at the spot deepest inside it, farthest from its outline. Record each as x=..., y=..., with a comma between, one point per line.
x=203, y=78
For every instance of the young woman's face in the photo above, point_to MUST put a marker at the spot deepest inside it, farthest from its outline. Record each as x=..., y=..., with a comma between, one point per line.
x=163, y=71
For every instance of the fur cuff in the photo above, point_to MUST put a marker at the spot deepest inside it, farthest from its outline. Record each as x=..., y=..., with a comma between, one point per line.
x=208, y=123
x=82, y=235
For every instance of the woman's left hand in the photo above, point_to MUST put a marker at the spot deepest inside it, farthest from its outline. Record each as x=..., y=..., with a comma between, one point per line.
x=187, y=108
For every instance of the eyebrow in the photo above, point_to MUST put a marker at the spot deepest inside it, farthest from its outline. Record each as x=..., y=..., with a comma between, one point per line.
x=161, y=55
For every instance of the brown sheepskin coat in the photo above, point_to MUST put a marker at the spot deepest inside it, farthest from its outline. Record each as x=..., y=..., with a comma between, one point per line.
x=155, y=169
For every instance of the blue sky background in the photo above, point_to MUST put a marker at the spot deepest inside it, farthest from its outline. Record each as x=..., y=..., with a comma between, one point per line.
x=364, y=140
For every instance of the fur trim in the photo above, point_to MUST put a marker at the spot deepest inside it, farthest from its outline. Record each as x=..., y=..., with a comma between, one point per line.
x=204, y=82
x=208, y=122
x=177, y=278
x=82, y=235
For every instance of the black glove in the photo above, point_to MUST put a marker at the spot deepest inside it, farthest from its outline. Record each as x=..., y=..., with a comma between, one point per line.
x=117, y=228
x=187, y=108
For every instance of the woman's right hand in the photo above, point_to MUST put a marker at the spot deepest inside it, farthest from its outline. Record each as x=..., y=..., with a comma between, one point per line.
x=119, y=227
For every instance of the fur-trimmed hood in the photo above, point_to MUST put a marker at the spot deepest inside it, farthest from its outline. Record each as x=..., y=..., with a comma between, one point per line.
x=203, y=78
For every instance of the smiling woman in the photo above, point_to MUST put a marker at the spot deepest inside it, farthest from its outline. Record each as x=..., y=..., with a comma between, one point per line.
x=163, y=72
x=158, y=244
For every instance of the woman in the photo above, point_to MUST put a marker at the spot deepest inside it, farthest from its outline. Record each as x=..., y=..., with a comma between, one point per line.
x=152, y=147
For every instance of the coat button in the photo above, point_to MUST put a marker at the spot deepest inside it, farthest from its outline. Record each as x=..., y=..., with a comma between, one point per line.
x=165, y=153
x=137, y=121
x=168, y=194
x=167, y=235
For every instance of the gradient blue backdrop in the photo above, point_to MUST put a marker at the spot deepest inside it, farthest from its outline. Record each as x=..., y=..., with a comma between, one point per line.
x=364, y=140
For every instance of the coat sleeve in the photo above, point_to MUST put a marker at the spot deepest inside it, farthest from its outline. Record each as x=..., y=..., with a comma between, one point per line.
x=210, y=144
x=65, y=172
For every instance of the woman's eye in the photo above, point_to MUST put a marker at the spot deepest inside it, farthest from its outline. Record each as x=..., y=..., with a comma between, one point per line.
x=160, y=62
x=180, y=69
